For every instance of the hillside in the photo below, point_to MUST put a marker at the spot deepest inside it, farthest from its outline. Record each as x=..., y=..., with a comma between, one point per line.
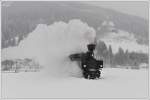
x=21, y=18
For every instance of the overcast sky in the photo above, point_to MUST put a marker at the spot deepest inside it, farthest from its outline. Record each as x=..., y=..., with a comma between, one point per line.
x=138, y=8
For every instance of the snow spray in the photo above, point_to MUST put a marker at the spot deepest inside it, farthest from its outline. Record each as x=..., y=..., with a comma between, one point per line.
x=51, y=45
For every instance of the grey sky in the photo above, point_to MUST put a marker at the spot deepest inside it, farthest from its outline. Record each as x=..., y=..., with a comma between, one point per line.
x=138, y=8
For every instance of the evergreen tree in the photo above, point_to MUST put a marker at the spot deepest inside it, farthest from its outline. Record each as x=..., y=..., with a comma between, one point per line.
x=110, y=55
x=119, y=57
x=127, y=59
x=101, y=49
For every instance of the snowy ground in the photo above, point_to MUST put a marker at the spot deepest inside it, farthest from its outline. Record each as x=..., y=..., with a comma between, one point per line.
x=115, y=83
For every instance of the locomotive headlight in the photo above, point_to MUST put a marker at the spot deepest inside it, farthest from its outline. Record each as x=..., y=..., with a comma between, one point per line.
x=101, y=66
x=84, y=65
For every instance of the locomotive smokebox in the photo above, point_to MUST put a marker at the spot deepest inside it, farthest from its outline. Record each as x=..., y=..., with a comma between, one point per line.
x=91, y=47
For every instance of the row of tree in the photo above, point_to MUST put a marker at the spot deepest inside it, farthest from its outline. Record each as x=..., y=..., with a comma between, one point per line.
x=122, y=58
x=16, y=27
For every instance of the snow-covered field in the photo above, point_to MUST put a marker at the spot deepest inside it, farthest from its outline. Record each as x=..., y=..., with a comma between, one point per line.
x=115, y=83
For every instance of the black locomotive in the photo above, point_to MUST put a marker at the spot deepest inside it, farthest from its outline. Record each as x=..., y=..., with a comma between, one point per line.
x=91, y=68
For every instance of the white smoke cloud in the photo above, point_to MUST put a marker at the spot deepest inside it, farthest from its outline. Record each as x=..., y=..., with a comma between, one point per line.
x=125, y=40
x=51, y=45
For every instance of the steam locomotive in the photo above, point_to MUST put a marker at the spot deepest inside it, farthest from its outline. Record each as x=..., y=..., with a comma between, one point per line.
x=91, y=67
